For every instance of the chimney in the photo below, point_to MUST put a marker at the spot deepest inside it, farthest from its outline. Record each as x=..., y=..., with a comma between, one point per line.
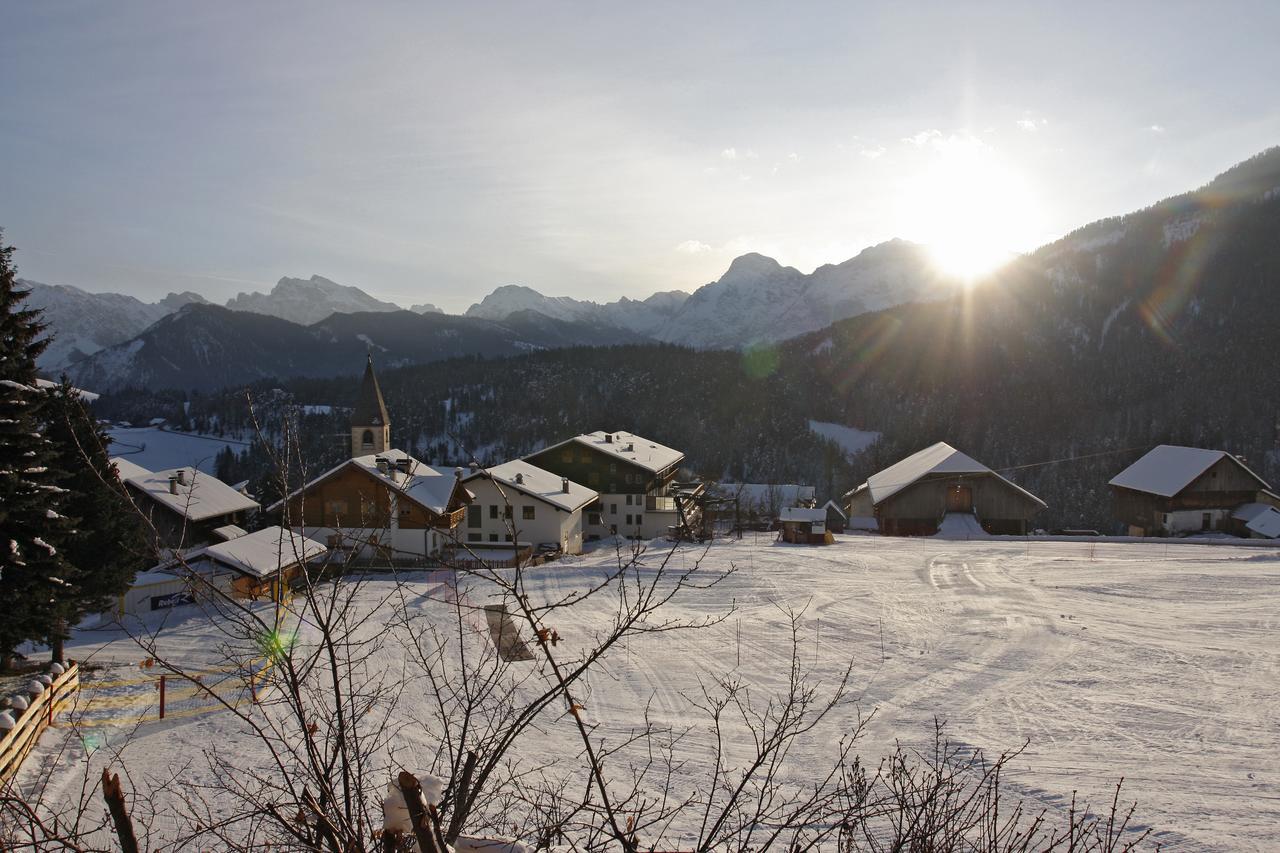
x=474, y=466
x=631, y=447
x=381, y=462
x=402, y=465
x=182, y=476
x=564, y=485
x=173, y=485
x=608, y=438
x=519, y=479
x=457, y=473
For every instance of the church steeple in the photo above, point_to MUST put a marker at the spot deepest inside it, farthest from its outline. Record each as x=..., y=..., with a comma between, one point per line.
x=370, y=423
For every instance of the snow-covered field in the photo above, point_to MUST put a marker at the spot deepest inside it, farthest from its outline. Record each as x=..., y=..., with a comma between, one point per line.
x=161, y=449
x=1156, y=662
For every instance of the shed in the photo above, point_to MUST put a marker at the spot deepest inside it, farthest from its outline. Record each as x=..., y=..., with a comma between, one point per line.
x=805, y=526
x=912, y=496
x=1174, y=490
x=836, y=519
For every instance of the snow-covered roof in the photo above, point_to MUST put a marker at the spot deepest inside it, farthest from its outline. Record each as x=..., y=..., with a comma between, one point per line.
x=1262, y=519
x=426, y=486
x=1167, y=469
x=940, y=458
x=538, y=483
x=831, y=504
x=795, y=513
x=202, y=496
x=229, y=532
x=763, y=493
x=637, y=450
x=266, y=551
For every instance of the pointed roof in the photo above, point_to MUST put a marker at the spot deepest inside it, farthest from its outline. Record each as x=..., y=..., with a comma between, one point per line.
x=940, y=458
x=1167, y=469
x=370, y=409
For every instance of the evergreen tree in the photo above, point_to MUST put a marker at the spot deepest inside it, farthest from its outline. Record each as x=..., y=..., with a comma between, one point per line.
x=108, y=543
x=32, y=525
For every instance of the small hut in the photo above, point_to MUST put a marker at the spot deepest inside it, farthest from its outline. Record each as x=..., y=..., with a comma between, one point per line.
x=836, y=519
x=805, y=526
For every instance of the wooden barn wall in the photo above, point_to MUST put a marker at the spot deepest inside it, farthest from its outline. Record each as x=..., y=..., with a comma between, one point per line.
x=1223, y=486
x=364, y=501
x=927, y=499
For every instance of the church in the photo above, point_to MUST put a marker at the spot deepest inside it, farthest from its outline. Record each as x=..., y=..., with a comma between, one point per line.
x=381, y=503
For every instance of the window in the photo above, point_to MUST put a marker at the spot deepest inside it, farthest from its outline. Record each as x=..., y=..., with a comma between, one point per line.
x=366, y=440
x=628, y=521
x=473, y=537
x=493, y=510
x=506, y=512
x=613, y=487
x=526, y=512
x=628, y=499
x=613, y=509
x=566, y=455
x=404, y=511
x=474, y=518
x=593, y=478
x=613, y=467
x=593, y=518
x=507, y=537
x=639, y=520
x=493, y=537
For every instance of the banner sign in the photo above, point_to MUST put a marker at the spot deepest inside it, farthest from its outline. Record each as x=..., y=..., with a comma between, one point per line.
x=173, y=599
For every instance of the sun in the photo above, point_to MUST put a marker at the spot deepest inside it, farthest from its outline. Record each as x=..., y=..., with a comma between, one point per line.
x=973, y=211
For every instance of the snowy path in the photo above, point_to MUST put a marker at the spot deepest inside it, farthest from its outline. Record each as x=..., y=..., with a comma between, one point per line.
x=1154, y=662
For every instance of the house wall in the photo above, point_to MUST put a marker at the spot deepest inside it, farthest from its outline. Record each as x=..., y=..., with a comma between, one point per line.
x=173, y=529
x=490, y=525
x=860, y=505
x=351, y=498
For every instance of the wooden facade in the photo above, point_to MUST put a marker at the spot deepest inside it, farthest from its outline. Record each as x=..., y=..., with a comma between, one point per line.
x=601, y=471
x=175, y=530
x=917, y=509
x=355, y=498
x=1222, y=487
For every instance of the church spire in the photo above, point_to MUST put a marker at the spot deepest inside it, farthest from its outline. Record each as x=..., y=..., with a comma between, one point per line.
x=370, y=423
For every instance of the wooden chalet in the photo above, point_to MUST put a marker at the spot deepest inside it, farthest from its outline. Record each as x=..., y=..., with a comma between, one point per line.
x=380, y=505
x=911, y=497
x=184, y=505
x=1174, y=491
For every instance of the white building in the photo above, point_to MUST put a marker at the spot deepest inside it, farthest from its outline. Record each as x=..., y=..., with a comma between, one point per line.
x=518, y=502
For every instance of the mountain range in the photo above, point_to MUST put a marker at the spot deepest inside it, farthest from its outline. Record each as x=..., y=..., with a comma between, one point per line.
x=756, y=300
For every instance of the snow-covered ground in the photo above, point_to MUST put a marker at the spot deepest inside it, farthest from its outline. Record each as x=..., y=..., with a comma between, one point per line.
x=161, y=449
x=1156, y=662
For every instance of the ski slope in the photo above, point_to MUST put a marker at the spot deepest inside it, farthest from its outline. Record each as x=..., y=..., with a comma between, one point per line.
x=1155, y=662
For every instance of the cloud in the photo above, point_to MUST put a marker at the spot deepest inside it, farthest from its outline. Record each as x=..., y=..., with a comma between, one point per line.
x=1156, y=128
x=1031, y=124
x=693, y=247
x=872, y=153
x=923, y=138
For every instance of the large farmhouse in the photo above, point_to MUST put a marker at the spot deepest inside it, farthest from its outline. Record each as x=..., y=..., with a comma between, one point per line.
x=1175, y=490
x=184, y=505
x=518, y=502
x=911, y=497
x=381, y=504
x=635, y=479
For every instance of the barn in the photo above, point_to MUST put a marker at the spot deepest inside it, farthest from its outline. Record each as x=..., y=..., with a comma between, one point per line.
x=911, y=497
x=804, y=526
x=1174, y=490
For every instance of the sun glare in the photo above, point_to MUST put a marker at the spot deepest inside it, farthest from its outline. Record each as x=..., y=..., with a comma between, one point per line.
x=971, y=210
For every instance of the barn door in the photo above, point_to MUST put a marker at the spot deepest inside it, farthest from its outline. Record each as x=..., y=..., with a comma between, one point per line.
x=960, y=499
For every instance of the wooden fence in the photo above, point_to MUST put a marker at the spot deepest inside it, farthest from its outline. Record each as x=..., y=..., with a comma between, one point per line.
x=39, y=715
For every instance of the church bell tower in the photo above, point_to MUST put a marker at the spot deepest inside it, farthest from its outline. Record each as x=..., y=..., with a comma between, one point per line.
x=370, y=424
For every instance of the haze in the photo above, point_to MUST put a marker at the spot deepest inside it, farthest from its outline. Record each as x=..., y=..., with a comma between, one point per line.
x=590, y=150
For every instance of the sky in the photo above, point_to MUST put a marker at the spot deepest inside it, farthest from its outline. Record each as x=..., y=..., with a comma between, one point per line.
x=432, y=152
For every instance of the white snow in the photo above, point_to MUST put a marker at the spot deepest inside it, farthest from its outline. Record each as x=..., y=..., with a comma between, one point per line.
x=429, y=487
x=202, y=496
x=636, y=449
x=1181, y=229
x=1154, y=662
x=851, y=439
x=1262, y=519
x=803, y=514
x=1167, y=469
x=1111, y=318
x=265, y=551
x=538, y=483
x=161, y=448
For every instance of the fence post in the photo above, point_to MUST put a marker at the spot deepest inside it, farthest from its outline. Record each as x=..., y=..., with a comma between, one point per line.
x=162, y=697
x=114, y=796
